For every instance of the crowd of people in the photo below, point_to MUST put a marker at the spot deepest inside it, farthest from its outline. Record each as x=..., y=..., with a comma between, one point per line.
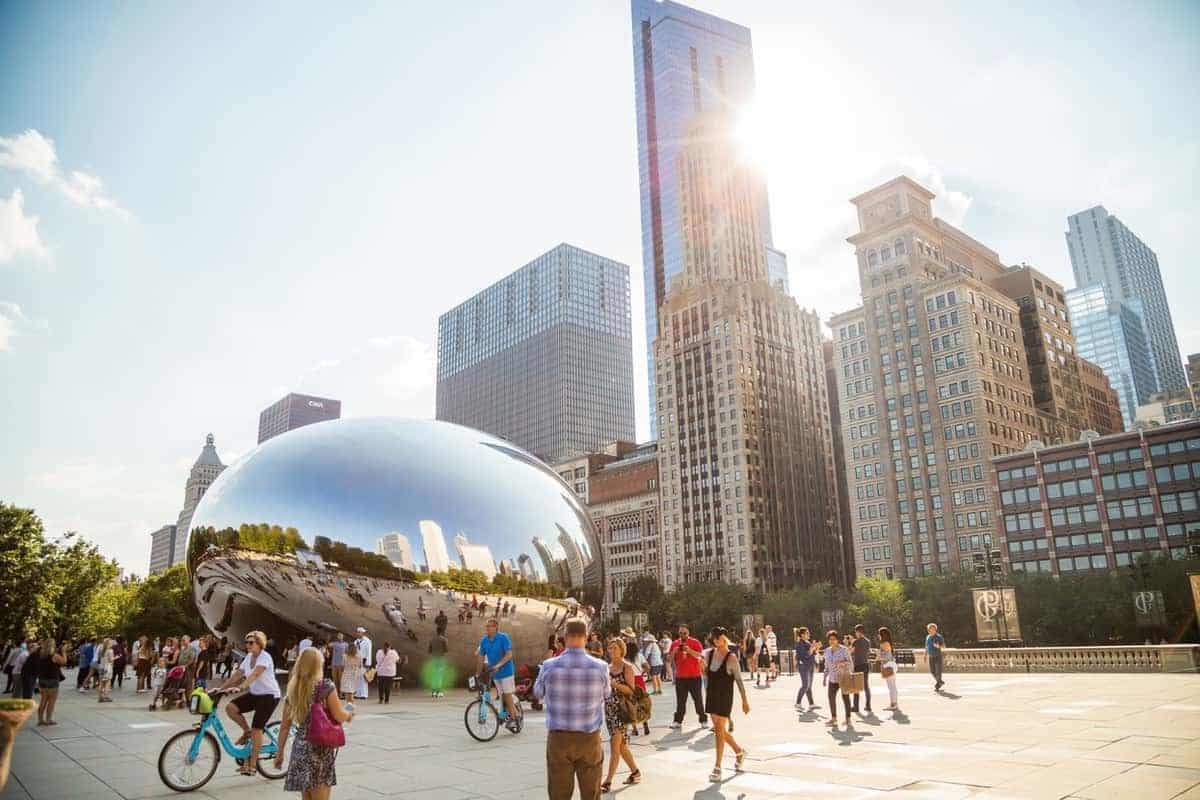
x=587, y=682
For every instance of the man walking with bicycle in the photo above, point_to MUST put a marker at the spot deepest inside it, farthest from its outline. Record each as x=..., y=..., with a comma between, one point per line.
x=496, y=655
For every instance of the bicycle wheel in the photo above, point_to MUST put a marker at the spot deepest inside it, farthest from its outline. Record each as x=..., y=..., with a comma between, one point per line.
x=482, y=721
x=266, y=757
x=179, y=772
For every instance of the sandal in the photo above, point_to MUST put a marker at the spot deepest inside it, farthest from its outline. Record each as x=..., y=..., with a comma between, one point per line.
x=606, y=787
x=715, y=775
x=243, y=740
x=739, y=759
x=634, y=777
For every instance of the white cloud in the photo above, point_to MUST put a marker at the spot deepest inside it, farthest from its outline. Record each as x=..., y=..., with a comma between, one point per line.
x=14, y=323
x=19, y=232
x=949, y=204
x=411, y=370
x=34, y=154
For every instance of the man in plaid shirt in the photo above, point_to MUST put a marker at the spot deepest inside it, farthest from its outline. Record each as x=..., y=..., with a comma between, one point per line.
x=574, y=687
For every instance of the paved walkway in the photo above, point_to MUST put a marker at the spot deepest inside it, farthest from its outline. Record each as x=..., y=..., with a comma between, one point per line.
x=987, y=736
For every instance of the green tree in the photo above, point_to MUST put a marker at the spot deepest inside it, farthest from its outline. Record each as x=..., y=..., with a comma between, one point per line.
x=801, y=607
x=879, y=602
x=109, y=608
x=641, y=593
x=76, y=571
x=702, y=606
x=165, y=606
x=28, y=604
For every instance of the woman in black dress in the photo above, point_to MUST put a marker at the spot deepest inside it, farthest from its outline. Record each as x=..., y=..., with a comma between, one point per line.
x=723, y=672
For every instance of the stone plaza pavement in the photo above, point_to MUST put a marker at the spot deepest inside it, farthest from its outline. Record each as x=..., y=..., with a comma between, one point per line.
x=987, y=736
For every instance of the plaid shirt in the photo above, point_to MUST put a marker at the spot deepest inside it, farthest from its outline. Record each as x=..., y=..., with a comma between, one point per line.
x=574, y=686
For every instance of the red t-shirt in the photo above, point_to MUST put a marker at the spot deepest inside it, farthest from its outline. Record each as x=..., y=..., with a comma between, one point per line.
x=686, y=666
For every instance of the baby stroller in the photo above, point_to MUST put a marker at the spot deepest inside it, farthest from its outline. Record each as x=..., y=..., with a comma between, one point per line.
x=172, y=689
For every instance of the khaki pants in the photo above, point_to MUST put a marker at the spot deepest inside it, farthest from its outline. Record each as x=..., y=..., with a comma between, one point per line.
x=569, y=756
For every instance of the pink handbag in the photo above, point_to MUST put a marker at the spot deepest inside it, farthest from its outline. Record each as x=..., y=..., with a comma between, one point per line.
x=323, y=731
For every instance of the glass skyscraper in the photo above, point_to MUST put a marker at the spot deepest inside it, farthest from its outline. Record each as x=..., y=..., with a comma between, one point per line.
x=543, y=357
x=1103, y=250
x=1111, y=334
x=686, y=63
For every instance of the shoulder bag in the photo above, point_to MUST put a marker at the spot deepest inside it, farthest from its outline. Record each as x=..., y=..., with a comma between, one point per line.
x=323, y=731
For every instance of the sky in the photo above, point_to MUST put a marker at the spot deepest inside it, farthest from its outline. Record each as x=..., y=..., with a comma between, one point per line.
x=204, y=207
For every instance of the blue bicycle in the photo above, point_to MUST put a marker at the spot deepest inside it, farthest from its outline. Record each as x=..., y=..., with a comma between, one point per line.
x=189, y=759
x=481, y=717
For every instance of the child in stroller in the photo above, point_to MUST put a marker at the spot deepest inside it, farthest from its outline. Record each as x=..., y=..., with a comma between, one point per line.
x=171, y=690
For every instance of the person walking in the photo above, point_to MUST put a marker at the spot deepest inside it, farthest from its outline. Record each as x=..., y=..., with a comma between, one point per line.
x=10, y=658
x=887, y=667
x=723, y=671
x=934, y=645
x=575, y=687
x=654, y=658
x=104, y=670
x=86, y=653
x=363, y=645
x=351, y=671
x=49, y=676
x=257, y=673
x=860, y=656
x=838, y=665
x=120, y=661
x=762, y=656
x=806, y=660
x=385, y=671
x=749, y=656
x=187, y=659
x=685, y=654
x=312, y=770
x=27, y=668
x=146, y=660
x=621, y=676
x=337, y=657
x=773, y=653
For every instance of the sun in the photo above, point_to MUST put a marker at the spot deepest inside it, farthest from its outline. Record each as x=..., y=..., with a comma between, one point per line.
x=753, y=135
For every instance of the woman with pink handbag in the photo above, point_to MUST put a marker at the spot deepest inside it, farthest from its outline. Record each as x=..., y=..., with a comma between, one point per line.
x=312, y=704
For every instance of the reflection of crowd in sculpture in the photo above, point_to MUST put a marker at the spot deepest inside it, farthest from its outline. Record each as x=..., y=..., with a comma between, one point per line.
x=352, y=597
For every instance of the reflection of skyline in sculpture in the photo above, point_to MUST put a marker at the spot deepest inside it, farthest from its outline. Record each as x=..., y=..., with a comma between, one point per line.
x=475, y=556
x=548, y=561
x=396, y=547
x=437, y=558
x=525, y=567
x=574, y=559
x=348, y=488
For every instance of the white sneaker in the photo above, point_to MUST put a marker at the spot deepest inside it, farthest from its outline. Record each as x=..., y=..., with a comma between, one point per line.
x=676, y=726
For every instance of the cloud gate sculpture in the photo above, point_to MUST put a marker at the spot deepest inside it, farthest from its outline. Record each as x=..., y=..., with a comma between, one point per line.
x=388, y=524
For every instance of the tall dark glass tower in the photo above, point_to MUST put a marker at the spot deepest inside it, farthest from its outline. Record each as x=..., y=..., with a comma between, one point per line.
x=686, y=64
x=543, y=358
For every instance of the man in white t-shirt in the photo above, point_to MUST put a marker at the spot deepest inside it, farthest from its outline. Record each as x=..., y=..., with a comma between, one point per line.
x=305, y=643
x=364, y=647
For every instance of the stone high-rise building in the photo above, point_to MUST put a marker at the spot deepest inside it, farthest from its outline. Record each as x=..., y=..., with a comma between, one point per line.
x=1054, y=374
x=623, y=507
x=1104, y=405
x=1104, y=251
x=162, y=549
x=295, y=411
x=745, y=447
x=1193, y=373
x=206, y=469
x=839, y=458
x=933, y=381
x=543, y=358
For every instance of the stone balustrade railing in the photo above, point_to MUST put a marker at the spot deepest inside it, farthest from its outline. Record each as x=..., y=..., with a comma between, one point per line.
x=1118, y=658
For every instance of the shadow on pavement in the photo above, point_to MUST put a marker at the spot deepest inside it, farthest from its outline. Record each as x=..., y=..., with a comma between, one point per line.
x=848, y=736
